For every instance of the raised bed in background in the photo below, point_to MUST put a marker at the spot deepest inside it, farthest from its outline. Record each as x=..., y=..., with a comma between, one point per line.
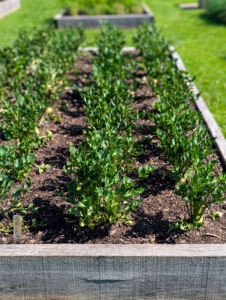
x=8, y=6
x=113, y=272
x=188, y=6
x=131, y=20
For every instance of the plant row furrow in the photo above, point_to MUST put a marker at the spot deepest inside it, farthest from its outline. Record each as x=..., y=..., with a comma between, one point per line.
x=32, y=73
x=184, y=139
x=100, y=191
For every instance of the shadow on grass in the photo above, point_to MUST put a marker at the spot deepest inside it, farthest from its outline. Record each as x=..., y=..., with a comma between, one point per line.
x=210, y=20
x=49, y=22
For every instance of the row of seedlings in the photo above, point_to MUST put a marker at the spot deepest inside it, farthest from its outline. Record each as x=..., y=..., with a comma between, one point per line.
x=31, y=80
x=15, y=59
x=183, y=137
x=100, y=192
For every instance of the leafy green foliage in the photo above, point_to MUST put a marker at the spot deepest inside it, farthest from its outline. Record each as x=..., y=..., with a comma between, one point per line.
x=97, y=7
x=108, y=106
x=217, y=9
x=154, y=50
x=184, y=140
x=15, y=60
x=20, y=119
x=200, y=190
x=42, y=168
x=144, y=172
x=183, y=137
x=100, y=191
x=110, y=63
x=31, y=80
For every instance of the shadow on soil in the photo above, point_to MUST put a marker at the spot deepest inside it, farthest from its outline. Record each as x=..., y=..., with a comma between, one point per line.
x=149, y=225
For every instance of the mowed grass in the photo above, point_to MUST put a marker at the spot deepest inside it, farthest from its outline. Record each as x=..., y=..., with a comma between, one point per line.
x=32, y=13
x=39, y=13
x=201, y=42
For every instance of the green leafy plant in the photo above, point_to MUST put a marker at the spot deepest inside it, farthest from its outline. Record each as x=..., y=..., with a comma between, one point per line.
x=42, y=168
x=31, y=80
x=100, y=192
x=217, y=10
x=199, y=190
x=92, y=7
x=144, y=171
x=110, y=62
x=184, y=140
x=183, y=137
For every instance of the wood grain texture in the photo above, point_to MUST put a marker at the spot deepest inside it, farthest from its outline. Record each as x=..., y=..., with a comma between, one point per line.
x=113, y=250
x=17, y=229
x=112, y=278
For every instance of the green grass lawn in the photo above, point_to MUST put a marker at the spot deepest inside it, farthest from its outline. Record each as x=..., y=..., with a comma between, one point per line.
x=200, y=41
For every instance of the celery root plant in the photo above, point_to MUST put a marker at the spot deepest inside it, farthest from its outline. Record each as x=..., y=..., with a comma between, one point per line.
x=31, y=80
x=100, y=191
x=184, y=139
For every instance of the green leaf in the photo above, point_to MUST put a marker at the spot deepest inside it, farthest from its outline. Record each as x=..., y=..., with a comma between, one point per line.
x=214, y=215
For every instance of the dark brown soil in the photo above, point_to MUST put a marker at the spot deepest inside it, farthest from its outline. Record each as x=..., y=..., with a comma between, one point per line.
x=160, y=205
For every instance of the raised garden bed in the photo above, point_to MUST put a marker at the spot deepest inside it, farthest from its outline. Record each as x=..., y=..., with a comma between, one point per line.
x=188, y=6
x=168, y=270
x=133, y=20
x=157, y=208
x=8, y=6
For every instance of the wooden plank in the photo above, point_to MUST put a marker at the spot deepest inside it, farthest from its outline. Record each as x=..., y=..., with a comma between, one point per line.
x=52, y=278
x=110, y=250
x=95, y=50
x=189, y=6
x=116, y=277
x=17, y=229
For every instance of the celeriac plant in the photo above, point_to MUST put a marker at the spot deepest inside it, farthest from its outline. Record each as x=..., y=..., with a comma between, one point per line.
x=31, y=81
x=183, y=137
x=199, y=190
x=100, y=192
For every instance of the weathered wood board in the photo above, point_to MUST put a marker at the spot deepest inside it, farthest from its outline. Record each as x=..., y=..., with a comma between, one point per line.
x=188, y=6
x=112, y=272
